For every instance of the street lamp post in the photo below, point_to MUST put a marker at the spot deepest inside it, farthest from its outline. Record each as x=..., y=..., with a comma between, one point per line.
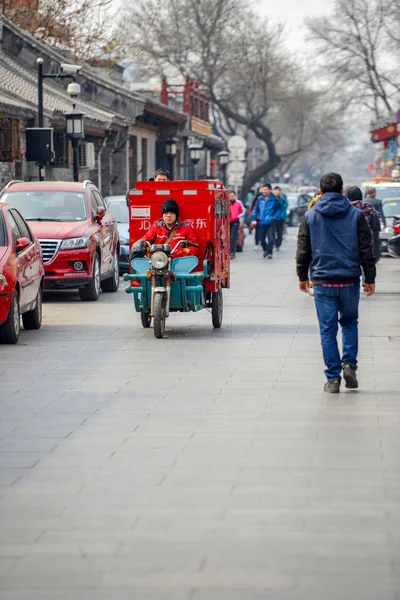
x=223, y=158
x=67, y=72
x=194, y=154
x=75, y=133
x=170, y=151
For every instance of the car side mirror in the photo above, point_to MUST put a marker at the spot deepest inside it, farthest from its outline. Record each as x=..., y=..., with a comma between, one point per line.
x=101, y=211
x=22, y=243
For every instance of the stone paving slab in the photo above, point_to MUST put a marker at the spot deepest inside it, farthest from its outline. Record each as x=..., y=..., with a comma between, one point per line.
x=205, y=466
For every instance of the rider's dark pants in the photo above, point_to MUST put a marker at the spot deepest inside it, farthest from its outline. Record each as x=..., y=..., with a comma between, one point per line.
x=234, y=235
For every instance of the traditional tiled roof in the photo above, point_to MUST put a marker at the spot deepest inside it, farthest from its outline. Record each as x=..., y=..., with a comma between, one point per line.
x=88, y=71
x=18, y=82
x=15, y=107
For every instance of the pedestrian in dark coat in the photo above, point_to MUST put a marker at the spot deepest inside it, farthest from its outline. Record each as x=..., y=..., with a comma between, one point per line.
x=334, y=242
x=372, y=216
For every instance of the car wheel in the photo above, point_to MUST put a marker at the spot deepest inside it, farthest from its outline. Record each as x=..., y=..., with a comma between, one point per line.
x=33, y=318
x=111, y=284
x=9, y=331
x=91, y=291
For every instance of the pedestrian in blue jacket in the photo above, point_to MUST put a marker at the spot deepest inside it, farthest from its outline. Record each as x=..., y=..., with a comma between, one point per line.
x=264, y=213
x=333, y=243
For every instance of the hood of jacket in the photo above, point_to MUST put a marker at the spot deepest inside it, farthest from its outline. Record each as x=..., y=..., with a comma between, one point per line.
x=332, y=205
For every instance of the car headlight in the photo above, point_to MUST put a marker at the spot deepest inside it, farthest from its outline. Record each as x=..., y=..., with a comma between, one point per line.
x=159, y=260
x=123, y=240
x=388, y=230
x=3, y=280
x=74, y=243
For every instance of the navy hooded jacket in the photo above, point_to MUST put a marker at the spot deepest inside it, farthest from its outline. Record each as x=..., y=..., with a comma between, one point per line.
x=334, y=241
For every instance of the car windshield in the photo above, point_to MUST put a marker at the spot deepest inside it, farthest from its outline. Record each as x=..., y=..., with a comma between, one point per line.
x=3, y=234
x=387, y=192
x=46, y=205
x=119, y=210
x=391, y=209
x=292, y=199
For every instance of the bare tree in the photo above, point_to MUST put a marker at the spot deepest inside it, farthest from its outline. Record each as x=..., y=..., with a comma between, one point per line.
x=254, y=83
x=79, y=27
x=353, y=45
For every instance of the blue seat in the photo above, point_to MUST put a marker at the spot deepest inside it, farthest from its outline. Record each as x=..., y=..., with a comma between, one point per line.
x=184, y=264
x=140, y=265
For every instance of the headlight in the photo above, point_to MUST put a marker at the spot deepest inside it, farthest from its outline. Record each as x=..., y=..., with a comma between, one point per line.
x=388, y=230
x=3, y=280
x=74, y=243
x=123, y=240
x=159, y=260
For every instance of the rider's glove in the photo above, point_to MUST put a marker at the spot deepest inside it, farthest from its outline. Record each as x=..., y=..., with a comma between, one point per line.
x=138, y=249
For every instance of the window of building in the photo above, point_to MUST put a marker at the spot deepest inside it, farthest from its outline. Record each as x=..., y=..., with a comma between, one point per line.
x=61, y=149
x=10, y=140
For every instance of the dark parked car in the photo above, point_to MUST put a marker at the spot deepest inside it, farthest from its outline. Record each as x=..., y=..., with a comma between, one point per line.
x=78, y=235
x=297, y=208
x=391, y=209
x=117, y=207
x=21, y=276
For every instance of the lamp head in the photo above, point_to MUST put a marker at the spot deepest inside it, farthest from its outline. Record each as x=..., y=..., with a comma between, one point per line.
x=73, y=90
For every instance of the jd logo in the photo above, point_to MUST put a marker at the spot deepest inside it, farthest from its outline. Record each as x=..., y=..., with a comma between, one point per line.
x=144, y=225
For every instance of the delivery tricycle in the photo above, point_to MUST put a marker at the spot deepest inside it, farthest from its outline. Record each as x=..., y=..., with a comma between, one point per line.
x=162, y=284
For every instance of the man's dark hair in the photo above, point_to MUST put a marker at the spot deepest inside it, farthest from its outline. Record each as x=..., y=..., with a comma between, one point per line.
x=370, y=191
x=163, y=172
x=331, y=182
x=268, y=185
x=277, y=187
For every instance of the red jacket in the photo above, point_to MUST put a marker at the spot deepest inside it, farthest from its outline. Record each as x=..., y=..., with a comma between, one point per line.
x=159, y=234
x=237, y=210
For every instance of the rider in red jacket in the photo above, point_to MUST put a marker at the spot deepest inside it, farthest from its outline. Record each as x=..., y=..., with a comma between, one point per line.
x=170, y=230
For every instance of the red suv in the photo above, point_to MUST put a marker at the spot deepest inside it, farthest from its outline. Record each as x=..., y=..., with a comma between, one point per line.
x=78, y=235
x=21, y=276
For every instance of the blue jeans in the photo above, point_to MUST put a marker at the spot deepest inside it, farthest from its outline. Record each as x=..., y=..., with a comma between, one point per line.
x=338, y=305
x=267, y=235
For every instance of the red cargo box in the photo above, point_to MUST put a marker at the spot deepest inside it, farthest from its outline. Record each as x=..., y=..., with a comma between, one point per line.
x=203, y=204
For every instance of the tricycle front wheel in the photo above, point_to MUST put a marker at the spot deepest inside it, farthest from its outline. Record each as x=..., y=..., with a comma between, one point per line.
x=217, y=308
x=146, y=319
x=159, y=316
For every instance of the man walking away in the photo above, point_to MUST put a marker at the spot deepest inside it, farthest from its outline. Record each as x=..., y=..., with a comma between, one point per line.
x=237, y=212
x=370, y=197
x=334, y=241
x=264, y=213
x=280, y=217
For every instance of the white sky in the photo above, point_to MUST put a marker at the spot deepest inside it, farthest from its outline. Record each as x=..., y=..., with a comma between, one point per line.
x=293, y=12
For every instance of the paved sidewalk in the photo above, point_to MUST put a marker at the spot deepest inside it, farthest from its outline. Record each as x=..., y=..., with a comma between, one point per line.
x=205, y=466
